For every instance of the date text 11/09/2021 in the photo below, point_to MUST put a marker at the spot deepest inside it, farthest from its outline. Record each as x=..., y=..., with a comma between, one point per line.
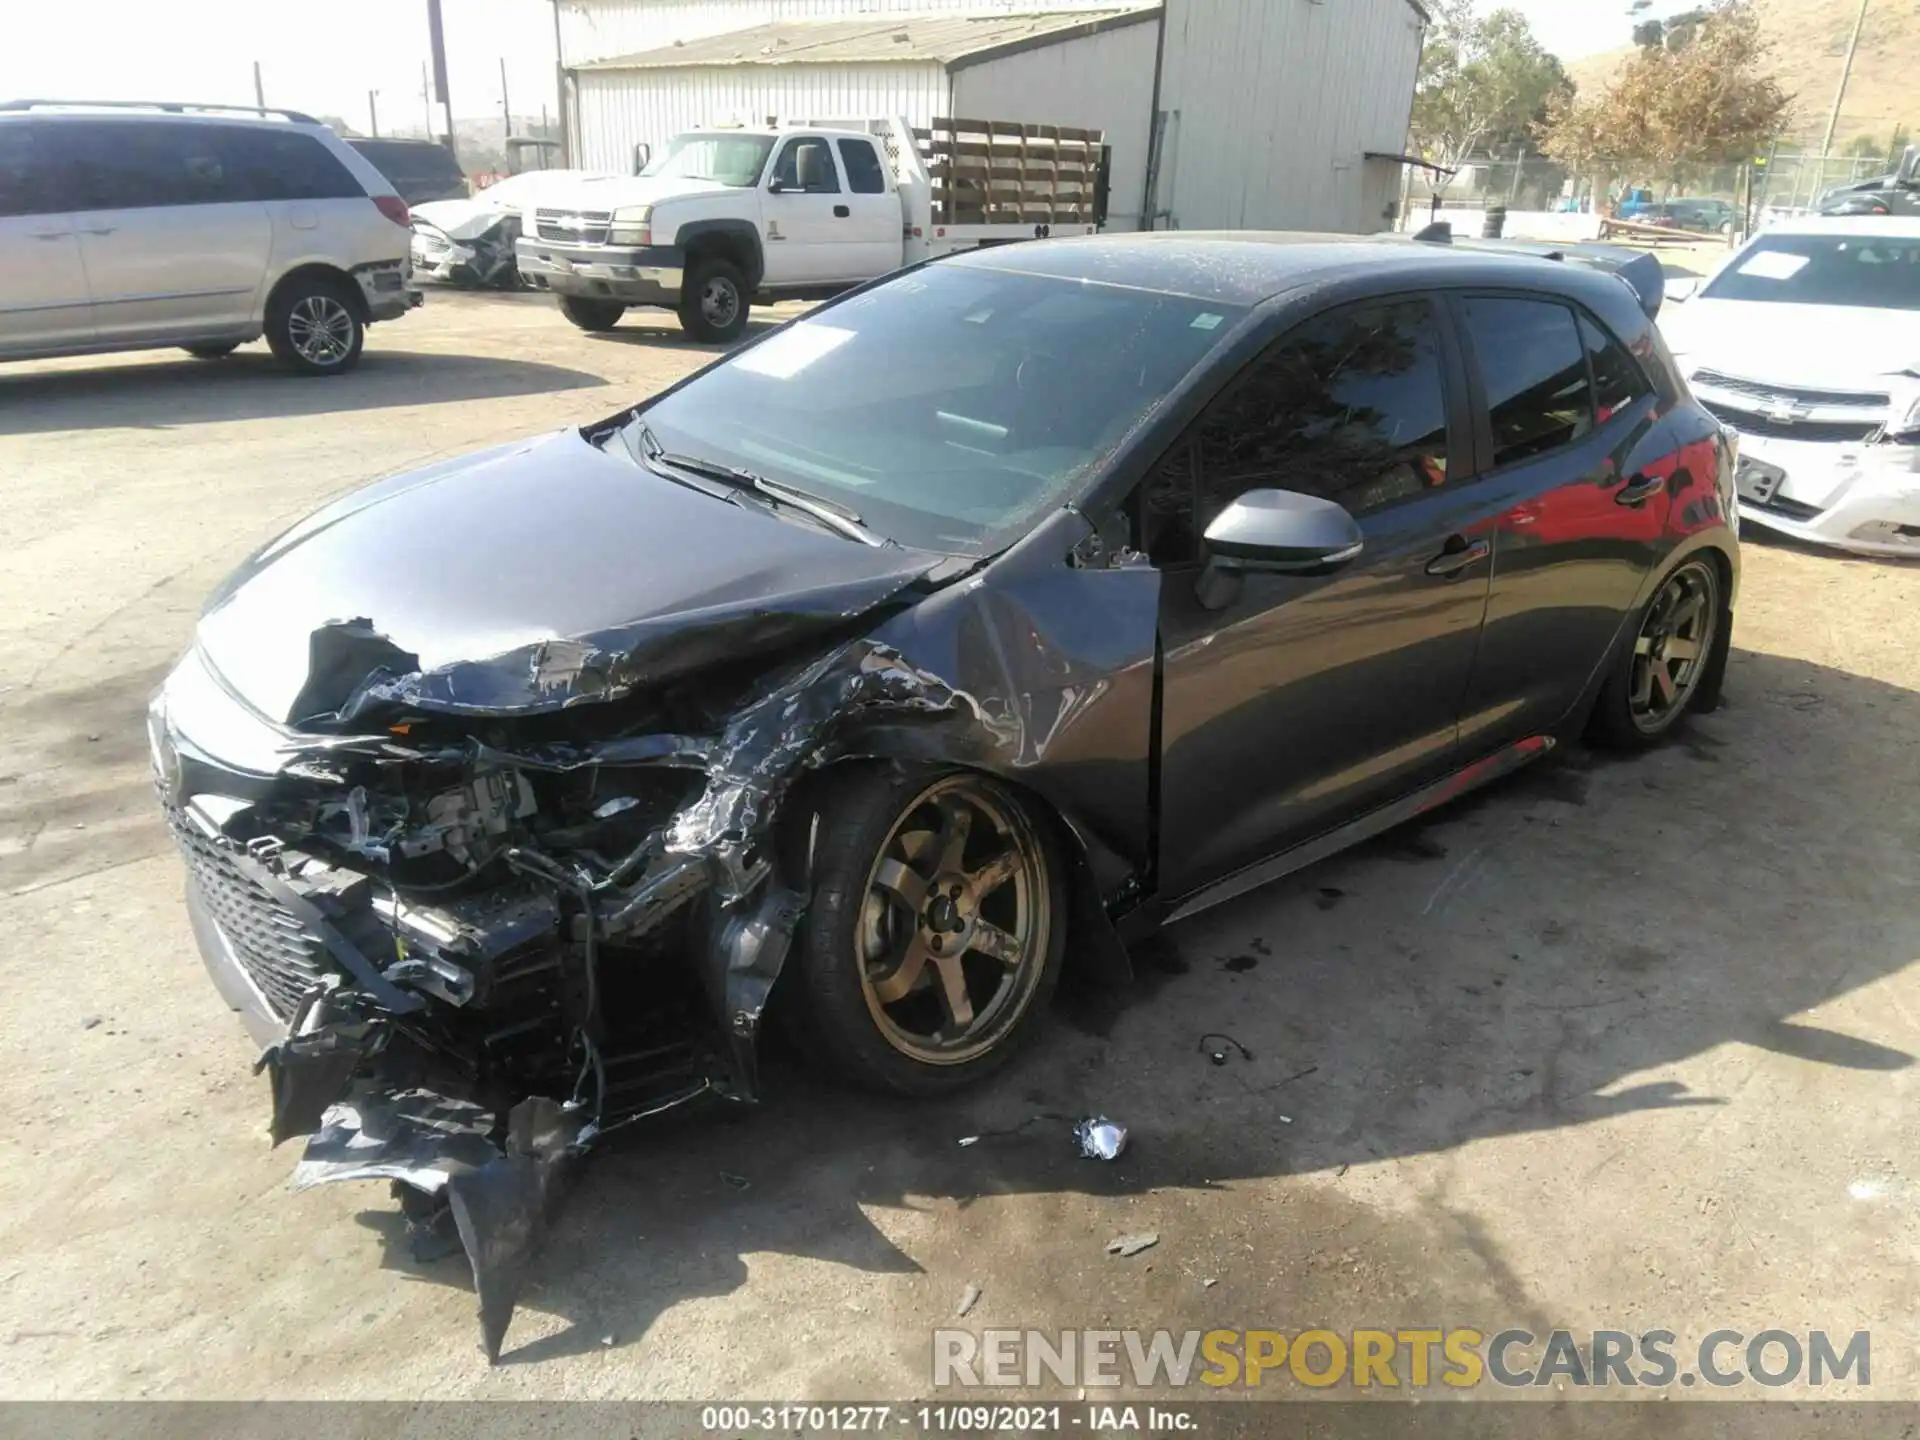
x=947, y=1419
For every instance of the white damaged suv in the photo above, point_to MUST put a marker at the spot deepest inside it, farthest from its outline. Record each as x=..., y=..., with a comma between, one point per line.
x=1807, y=342
x=137, y=227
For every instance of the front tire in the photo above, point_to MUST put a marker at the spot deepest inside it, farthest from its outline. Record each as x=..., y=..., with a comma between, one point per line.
x=936, y=929
x=1660, y=674
x=596, y=316
x=714, y=302
x=313, y=327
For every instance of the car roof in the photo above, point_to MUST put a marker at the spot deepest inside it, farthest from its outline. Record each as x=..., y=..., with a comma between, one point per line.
x=1892, y=226
x=79, y=113
x=1246, y=267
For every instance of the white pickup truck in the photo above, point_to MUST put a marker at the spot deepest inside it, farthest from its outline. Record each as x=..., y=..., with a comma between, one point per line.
x=724, y=217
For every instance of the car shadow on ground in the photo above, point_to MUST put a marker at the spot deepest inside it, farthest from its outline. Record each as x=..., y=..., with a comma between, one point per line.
x=250, y=384
x=669, y=336
x=1519, y=963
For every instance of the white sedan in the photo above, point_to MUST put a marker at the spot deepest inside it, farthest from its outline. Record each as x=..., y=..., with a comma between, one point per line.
x=1807, y=342
x=471, y=241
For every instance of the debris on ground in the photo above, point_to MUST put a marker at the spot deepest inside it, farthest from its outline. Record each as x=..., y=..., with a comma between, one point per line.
x=1100, y=1138
x=90, y=1022
x=1125, y=1245
x=607, y=1340
x=969, y=1299
x=966, y=1140
x=1329, y=896
x=1218, y=1053
x=738, y=1182
x=1208, y=1284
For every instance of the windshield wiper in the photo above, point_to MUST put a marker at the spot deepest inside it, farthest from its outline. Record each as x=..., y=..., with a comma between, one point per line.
x=837, y=518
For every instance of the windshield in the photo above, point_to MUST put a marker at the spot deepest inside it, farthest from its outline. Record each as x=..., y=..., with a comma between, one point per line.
x=731, y=159
x=948, y=407
x=1879, y=272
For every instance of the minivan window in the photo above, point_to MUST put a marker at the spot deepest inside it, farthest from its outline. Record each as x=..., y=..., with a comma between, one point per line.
x=285, y=165
x=141, y=164
x=1880, y=272
x=26, y=174
x=1535, y=370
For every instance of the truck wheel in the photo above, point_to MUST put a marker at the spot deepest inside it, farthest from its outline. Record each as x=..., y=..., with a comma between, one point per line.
x=314, y=327
x=713, y=302
x=595, y=315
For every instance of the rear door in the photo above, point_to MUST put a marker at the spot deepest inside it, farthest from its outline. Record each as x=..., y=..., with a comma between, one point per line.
x=872, y=225
x=44, y=304
x=799, y=224
x=1305, y=702
x=1570, y=452
x=175, y=249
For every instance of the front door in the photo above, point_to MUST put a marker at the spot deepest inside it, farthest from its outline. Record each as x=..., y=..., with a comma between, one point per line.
x=803, y=215
x=174, y=247
x=1583, y=482
x=44, y=303
x=1302, y=703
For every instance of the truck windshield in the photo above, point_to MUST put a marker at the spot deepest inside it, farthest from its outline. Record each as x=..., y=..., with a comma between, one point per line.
x=949, y=407
x=1875, y=271
x=730, y=159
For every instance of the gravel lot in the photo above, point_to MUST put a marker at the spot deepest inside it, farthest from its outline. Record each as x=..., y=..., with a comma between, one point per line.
x=1619, y=1044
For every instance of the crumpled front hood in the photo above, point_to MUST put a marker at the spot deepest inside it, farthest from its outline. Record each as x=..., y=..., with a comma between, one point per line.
x=1834, y=347
x=462, y=219
x=526, y=578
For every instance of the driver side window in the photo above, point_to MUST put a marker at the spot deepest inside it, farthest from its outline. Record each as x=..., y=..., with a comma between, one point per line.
x=1350, y=407
x=807, y=165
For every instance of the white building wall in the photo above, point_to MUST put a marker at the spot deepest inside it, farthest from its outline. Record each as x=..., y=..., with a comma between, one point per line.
x=620, y=108
x=1271, y=105
x=597, y=29
x=1102, y=82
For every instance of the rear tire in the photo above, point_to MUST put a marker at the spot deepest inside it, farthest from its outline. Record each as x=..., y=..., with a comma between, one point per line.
x=931, y=945
x=597, y=316
x=714, y=303
x=211, y=352
x=1667, y=661
x=314, y=327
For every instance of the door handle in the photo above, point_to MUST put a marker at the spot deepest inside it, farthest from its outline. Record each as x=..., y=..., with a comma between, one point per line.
x=51, y=234
x=1458, y=554
x=841, y=211
x=98, y=230
x=1637, y=491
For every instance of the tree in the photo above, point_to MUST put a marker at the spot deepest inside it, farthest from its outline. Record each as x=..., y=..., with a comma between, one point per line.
x=1711, y=101
x=1485, y=82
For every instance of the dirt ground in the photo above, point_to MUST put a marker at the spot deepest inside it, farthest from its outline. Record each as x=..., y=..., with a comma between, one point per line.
x=1621, y=1044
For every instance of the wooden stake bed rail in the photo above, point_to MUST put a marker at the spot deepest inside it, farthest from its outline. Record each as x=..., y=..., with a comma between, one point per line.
x=1003, y=172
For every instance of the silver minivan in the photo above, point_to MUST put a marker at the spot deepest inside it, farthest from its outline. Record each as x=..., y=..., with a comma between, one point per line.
x=131, y=227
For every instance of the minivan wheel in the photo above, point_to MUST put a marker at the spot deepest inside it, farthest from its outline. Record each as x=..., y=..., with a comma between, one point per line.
x=595, y=315
x=314, y=328
x=211, y=352
x=935, y=933
x=1656, y=678
x=714, y=303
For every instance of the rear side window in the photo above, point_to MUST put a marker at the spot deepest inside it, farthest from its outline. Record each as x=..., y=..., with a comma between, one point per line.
x=26, y=176
x=1535, y=369
x=864, y=175
x=135, y=165
x=285, y=165
x=1617, y=381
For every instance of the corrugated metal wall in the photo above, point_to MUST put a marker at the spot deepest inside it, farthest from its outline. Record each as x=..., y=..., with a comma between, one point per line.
x=1102, y=81
x=620, y=108
x=596, y=29
x=1271, y=105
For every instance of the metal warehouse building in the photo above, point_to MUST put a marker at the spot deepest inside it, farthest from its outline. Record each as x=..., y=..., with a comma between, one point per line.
x=1280, y=114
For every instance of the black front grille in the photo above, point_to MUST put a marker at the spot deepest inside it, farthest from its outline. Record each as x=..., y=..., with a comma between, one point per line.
x=282, y=959
x=1783, y=507
x=1832, y=432
x=573, y=227
x=1852, y=399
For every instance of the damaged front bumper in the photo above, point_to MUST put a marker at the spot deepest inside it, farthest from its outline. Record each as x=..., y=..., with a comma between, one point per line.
x=464, y=1033
x=1860, y=495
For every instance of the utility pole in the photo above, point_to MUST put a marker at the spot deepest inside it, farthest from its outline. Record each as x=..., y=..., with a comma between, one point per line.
x=436, y=34
x=259, y=90
x=506, y=108
x=426, y=100
x=373, y=113
x=560, y=90
x=1840, y=95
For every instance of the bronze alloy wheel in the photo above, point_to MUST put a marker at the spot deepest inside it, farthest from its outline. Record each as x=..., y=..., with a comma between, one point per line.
x=955, y=925
x=1673, y=648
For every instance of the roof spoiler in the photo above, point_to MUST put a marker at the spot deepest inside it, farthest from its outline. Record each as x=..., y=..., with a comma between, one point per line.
x=1642, y=271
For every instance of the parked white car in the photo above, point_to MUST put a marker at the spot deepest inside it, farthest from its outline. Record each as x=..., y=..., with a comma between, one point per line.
x=1807, y=342
x=470, y=242
x=132, y=227
x=727, y=216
